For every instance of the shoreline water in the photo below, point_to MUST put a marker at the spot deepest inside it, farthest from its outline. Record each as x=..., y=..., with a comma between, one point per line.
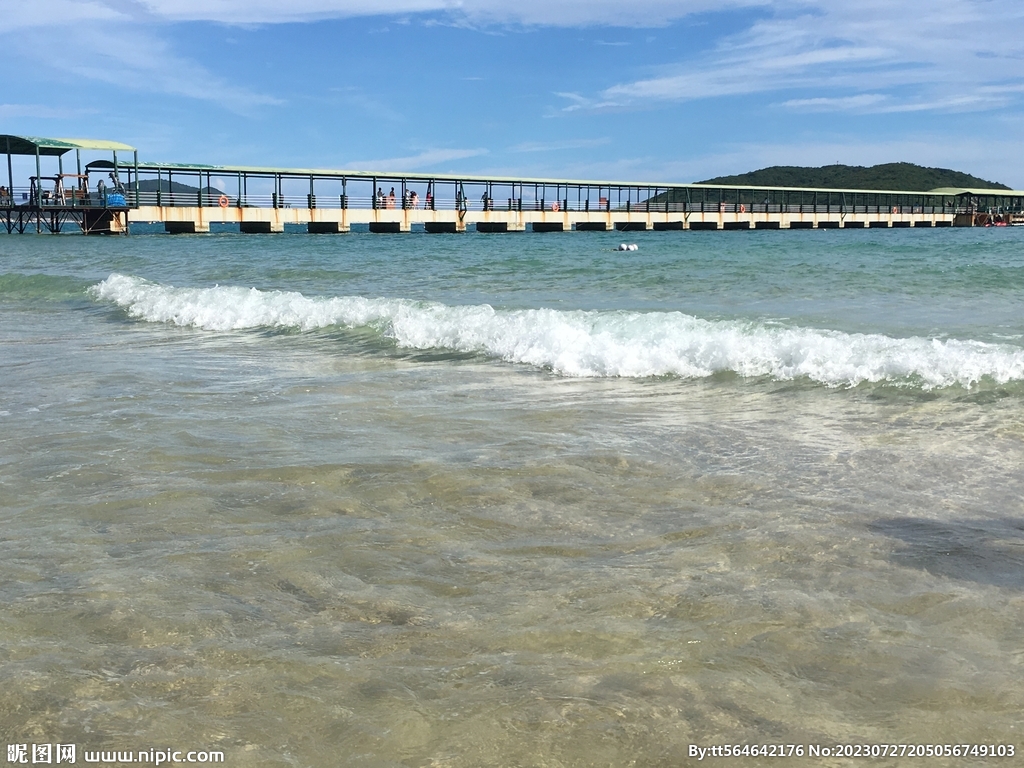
x=295, y=545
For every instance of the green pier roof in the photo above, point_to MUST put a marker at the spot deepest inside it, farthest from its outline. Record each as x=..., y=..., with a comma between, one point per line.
x=29, y=145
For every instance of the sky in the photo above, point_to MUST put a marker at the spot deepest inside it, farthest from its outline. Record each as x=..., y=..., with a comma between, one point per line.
x=646, y=90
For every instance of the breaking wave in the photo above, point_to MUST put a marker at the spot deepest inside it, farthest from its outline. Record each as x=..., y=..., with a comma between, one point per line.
x=587, y=343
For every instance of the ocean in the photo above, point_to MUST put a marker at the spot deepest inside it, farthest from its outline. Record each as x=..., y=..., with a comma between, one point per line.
x=513, y=500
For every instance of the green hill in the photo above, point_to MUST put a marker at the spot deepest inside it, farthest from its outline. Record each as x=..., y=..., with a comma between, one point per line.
x=162, y=185
x=893, y=176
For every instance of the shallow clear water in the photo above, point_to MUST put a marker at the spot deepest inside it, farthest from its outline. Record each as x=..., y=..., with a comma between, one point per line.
x=511, y=500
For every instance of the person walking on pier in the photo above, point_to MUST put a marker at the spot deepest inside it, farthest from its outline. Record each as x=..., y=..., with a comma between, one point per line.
x=5, y=197
x=391, y=198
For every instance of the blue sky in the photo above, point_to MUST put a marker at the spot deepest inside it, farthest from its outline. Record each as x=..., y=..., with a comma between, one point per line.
x=659, y=90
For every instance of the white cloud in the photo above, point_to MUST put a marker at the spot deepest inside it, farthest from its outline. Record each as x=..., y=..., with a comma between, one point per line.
x=940, y=55
x=10, y=111
x=23, y=15
x=110, y=47
x=539, y=146
x=565, y=13
x=838, y=104
x=424, y=159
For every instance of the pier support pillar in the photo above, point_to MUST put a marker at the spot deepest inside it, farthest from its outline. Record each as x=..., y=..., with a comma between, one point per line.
x=499, y=226
x=186, y=227
x=444, y=227
x=260, y=227
x=591, y=226
x=548, y=226
x=389, y=227
x=326, y=227
x=104, y=222
x=631, y=226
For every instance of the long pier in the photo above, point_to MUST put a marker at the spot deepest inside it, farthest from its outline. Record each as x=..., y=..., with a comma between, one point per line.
x=189, y=198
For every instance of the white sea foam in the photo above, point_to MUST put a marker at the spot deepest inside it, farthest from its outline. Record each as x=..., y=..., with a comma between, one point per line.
x=587, y=343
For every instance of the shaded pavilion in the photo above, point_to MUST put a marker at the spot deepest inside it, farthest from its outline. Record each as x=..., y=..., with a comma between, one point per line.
x=69, y=199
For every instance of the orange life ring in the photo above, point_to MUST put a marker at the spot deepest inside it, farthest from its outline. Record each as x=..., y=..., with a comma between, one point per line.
x=223, y=201
x=554, y=207
x=895, y=209
x=743, y=208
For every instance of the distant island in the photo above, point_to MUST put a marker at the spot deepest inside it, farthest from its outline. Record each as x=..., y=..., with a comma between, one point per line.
x=162, y=185
x=888, y=176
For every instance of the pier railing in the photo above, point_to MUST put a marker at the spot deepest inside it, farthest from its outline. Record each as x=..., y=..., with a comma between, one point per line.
x=28, y=197
x=211, y=186
x=205, y=199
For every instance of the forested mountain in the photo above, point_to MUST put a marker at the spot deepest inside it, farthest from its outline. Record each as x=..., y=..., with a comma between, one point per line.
x=153, y=185
x=892, y=176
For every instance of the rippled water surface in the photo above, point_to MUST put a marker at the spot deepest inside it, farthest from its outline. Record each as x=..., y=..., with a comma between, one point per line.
x=515, y=500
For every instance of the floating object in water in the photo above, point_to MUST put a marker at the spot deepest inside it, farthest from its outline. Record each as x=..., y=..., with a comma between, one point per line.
x=629, y=247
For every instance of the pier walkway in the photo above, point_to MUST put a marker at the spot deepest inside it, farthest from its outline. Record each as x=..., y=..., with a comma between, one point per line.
x=189, y=198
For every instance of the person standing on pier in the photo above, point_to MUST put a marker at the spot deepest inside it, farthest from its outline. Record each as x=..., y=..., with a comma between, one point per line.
x=391, y=198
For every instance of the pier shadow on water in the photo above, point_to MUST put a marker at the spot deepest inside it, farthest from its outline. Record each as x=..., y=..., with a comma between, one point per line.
x=979, y=550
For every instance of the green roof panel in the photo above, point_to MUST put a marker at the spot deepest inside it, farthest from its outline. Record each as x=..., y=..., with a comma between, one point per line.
x=27, y=145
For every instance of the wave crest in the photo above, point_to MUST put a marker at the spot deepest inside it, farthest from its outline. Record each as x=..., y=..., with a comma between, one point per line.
x=587, y=343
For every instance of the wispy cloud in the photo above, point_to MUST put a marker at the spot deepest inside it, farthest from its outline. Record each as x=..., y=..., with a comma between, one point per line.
x=25, y=15
x=578, y=103
x=113, y=47
x=356, y=98
x=540, y=146
x=424, y=159
x=565, y=13
x=11, y=111
x=836, y=104
x=903, y=51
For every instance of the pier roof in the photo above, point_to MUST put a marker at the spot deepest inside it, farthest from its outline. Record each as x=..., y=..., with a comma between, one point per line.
x=977, y=192
x=30, y=145
x=501, y=179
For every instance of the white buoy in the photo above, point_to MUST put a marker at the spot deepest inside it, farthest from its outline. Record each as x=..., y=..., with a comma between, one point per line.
x=634, y=247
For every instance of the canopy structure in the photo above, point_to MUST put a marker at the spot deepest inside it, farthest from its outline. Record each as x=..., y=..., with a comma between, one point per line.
x=39, y=146
x=33, y=145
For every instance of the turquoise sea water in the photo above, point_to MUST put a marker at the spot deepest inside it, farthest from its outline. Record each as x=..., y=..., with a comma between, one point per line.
x=511, y=500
